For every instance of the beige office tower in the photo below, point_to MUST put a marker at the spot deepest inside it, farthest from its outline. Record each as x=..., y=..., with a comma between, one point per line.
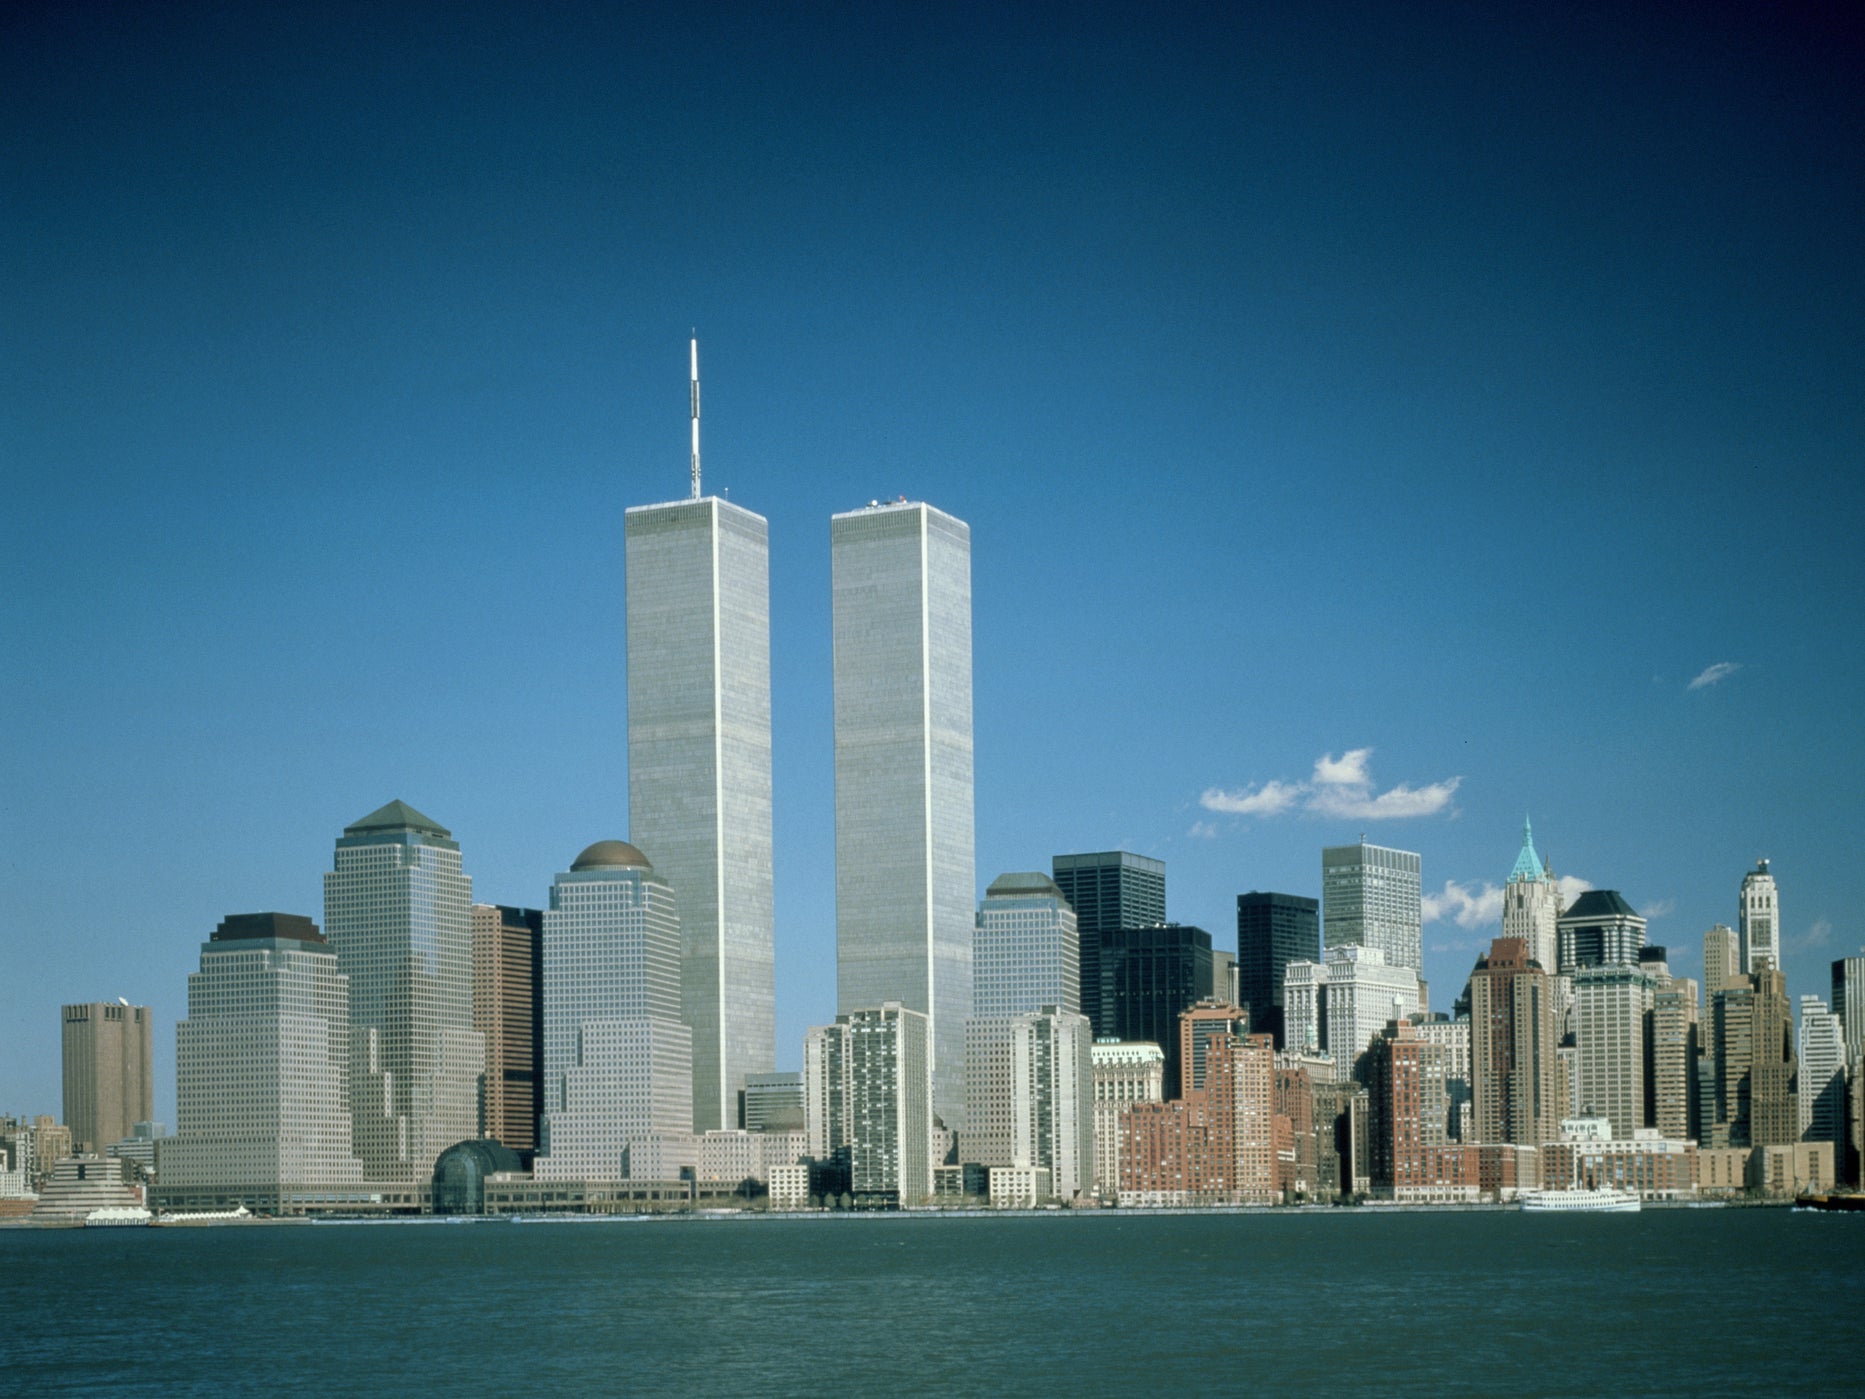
x=1124, y=1072
x=1674, y=1057
x=699, y=773
x=1857, y=1131
x=398, y=911
x=1723, y=1084
x=109, y=1086
x=1610, y=1004
x=1532, y=903
x=1758, y=921
x=1567, y=1081
x=1722, y=969
x=905, y=875
x=262, y=1070
x=1722, y=959
x=1513, y=1068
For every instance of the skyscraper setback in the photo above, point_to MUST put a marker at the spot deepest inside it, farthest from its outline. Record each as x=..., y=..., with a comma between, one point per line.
x=397, y=909
x=262, y=1068
x=904, y=860
x=699, y=772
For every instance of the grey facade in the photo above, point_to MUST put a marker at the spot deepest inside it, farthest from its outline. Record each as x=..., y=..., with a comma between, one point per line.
x=1272, y=931
x=699, y=773
x=1371, y=897
x=905, y=881
x=617, y=1056
x=1024, y=960
x=262, y=1065
x=398, y=911
x=1025, y=951
x=1109, y=890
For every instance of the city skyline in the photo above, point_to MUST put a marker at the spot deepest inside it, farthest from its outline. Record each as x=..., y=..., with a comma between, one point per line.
x=1280, y=395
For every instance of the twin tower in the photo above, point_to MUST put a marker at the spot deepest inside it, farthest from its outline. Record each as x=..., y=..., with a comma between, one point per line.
x=699, y=772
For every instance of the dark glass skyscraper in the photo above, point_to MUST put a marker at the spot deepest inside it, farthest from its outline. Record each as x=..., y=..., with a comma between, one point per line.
x=1149, y=977
x=1109, y=891
x=1272, y=931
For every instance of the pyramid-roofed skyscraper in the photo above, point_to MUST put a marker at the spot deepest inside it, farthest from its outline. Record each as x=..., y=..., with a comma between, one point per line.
x=1531, y=906
x=398, y=912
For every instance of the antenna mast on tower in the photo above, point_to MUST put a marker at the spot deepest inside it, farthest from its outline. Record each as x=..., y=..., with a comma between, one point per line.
x=695, y=415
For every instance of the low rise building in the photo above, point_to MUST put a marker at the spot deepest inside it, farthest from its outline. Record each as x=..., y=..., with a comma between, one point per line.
x=79, y=1184
x=1020, y=1187
x=1796, y=1168
x=1503, y=1171
x=789, y=1187
x=774, y=1102
x=1591, y=1156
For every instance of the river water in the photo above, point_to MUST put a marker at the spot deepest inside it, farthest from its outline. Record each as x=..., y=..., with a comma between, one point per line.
x=1329, y=1301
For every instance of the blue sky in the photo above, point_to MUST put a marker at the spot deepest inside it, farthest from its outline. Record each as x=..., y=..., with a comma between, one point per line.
x=1430, y=395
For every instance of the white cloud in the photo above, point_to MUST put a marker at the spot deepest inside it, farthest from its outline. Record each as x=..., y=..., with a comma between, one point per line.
x=1657, y=908
x=1816, y=936
x=1271, y=799
x=1467, y=905
x=1204, y=830
x=1339, y=787
x=1348, y=771
x=1722, y=670
x=1359, y=803
x=1571, y=887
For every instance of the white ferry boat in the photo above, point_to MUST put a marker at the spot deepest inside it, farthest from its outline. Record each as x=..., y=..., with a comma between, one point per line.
x=203, y=1216
x=1602, y=1201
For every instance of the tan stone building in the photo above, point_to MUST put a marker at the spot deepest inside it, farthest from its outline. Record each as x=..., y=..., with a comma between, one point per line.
x=109, y=1086
x=1512, y=1040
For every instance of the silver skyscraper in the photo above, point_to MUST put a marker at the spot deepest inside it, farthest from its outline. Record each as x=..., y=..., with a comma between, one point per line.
x=904, y=876
x=699, y=772
x=397, y=910
x=1370, y=897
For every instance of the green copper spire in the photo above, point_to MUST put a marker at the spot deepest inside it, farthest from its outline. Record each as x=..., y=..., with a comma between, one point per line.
x=1528, y=866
